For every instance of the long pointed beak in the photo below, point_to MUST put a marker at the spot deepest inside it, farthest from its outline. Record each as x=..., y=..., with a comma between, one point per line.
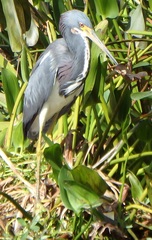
x=91, y=34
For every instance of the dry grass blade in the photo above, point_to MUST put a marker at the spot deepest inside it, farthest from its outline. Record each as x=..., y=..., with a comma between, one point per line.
x=16, y=173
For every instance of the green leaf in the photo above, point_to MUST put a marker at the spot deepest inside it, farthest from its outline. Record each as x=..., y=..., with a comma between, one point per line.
x=89, y=178
x=81, y=197
x=17, y=137
x=53, y=155
x=150, y=5
x=91, y=78
x=22, y=222
x=124, y=105
x=13, y=25
x=141, y=95
x=2, y=136
x=64, y=175
x=24, y=65
x=81, y=188
x=141, y=64
x=148, y=175
x=144, y=130
x=137, y=25
x=11, y=88
x=107, y=8
x=4, y=63
x=136, y=188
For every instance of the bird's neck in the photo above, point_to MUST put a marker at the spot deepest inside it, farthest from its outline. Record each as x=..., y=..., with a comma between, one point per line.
x=79, y=48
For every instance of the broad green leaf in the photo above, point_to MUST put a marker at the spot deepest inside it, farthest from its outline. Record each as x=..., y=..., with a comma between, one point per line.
x=13, y=25
x=53, y=155
x=89, y=178
x=141, y=95
x=136, y=188
x=81, y=188
x=137, y=25
x=107, y=8
x=81, y=197
x=90, y=80
x=150, y=4
x=20, y=15
x=4, y=125
x=141, y=64
x=17, y=137
x=4, y=63
x=11, y=88
x=64, y=175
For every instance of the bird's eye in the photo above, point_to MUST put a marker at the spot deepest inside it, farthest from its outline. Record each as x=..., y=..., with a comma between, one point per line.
x=81, y=25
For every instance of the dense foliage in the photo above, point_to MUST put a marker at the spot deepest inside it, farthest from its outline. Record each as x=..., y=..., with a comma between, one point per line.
x=96, y=180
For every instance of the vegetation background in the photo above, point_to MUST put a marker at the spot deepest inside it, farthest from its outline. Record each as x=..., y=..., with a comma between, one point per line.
x=96, y=180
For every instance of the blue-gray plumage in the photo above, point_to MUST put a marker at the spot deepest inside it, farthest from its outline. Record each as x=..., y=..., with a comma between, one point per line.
x=58, y=76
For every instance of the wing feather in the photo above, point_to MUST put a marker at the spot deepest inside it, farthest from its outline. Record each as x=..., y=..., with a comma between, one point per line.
x=42, y=80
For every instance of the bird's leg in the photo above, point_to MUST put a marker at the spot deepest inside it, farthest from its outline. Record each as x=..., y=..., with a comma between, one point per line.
x=39, y=156
x=42, y=117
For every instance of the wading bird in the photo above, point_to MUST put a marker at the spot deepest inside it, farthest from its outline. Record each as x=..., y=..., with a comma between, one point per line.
x=58, y=76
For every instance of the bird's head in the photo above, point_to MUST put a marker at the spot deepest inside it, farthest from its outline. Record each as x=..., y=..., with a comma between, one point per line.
x=77, y=22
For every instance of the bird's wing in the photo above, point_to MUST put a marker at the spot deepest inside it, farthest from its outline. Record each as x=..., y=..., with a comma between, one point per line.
x=42, y=79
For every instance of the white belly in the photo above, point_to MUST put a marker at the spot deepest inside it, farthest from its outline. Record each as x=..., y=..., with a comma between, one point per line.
x=54, y=104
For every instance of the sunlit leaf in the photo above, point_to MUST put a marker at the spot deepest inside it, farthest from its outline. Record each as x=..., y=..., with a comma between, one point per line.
x=89, y=178
x=24, y=65
x=150, y=5
x=81, y=197
x=13, y=25
x=107, y=8
x=2, y=134
x=4, y=63
x=11, y=88
x=141, y=95
x=17, y=137
x=136, y=188
x=90, y=81
x=137, y=25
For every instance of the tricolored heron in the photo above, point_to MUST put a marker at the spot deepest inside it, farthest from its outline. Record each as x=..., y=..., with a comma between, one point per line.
x=58, y=76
